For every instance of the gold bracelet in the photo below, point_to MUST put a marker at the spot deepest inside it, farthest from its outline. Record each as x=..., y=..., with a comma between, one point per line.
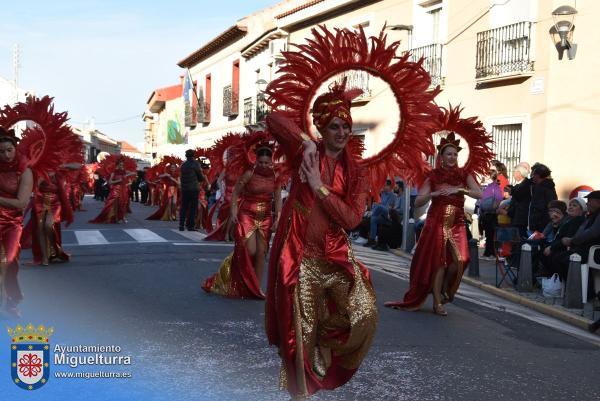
x=323, y=192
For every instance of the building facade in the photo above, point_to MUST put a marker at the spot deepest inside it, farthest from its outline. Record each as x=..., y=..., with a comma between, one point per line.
x=496, y=58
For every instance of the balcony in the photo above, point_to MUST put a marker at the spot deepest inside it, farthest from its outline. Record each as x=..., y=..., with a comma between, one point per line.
x=358, y=79
x=204, y=113
x=231, y=102
x=504, y=52
x=255, y=110
x=432, y=61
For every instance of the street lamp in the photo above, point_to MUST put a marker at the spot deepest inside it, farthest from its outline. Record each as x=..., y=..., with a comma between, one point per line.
x=562, y=31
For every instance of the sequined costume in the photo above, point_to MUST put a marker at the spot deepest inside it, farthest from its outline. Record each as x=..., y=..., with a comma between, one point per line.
x=320, y=308
x=50, y=199
x=224, y=207
x=202, y=216
x=11, y=226
x=169, y=201
x=115, y=206
x=443, y=240
x=236, y=277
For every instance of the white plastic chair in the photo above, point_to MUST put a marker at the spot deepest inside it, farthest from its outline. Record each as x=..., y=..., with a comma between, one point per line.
x=585, y=273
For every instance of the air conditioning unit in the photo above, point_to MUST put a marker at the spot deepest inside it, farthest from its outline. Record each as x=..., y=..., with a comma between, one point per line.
x=276, y=46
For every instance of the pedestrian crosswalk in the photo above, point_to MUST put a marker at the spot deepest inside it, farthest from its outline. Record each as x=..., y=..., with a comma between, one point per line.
x=90, y=237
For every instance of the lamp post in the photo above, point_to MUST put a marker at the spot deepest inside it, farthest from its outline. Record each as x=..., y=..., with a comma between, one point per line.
x=562, y=31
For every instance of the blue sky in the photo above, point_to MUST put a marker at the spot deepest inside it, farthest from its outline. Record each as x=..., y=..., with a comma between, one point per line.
x=102, y=59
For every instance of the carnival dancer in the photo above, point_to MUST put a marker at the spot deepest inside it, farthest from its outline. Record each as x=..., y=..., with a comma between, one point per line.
x=227, y=178
x=51, y=206
x=320, y=310
x=16, y=183
x=442, y=252
x=169, y=202
x=252, y=200
x=119, y=170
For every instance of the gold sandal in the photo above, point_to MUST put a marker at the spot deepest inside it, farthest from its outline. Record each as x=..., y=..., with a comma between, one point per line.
x=439, y=310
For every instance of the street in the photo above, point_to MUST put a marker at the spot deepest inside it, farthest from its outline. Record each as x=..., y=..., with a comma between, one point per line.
x=137, y=286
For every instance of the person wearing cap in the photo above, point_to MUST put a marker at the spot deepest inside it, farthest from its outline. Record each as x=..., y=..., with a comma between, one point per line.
x=190, y=178
x=569, y=226
x=586, y=236
x=380, y=212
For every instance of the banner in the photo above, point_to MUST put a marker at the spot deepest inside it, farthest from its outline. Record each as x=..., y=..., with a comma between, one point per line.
x=189, y=100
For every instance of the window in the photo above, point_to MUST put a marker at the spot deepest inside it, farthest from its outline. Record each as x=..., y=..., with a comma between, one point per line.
x=435, y=24
x=507, y=145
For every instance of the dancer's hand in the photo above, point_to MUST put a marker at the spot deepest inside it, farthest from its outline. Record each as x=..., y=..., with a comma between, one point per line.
x=310, y=169
x=234, y=218
x=274, y=225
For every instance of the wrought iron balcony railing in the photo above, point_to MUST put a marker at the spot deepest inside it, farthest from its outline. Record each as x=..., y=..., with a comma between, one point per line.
x=255, y=110
x=432, y=61
x=249, y=112
x=231, y=102
x=504, y=51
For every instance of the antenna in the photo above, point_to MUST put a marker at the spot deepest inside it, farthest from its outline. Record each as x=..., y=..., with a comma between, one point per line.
x=16, y=67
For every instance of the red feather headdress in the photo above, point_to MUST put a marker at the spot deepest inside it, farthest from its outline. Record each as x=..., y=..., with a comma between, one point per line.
x=217, y=152
x=109, y=164
x=50, y=142
x=328, y=54
x=473, y=132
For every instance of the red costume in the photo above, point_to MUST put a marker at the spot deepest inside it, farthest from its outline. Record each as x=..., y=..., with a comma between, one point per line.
x=219, y=160
x=50, y=199
x=321, y=311
x=116, y=205
x=224, y=206
x=443, y=240
x=169, y=201
x=236, y=277
x=11, y=226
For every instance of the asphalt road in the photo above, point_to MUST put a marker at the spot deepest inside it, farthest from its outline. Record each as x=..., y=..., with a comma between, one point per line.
x=145, y=297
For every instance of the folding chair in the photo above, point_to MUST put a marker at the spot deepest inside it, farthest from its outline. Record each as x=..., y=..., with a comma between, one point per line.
x=507, y=249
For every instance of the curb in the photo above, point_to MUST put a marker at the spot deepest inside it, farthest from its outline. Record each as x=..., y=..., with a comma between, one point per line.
x=564, y=316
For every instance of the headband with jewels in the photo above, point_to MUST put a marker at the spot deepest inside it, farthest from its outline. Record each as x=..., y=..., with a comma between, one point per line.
x=264, y=144
x=334, y=103
x=30, y=333
x=449, y=140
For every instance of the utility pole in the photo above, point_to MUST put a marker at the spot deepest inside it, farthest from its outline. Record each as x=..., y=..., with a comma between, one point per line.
x=16, y=67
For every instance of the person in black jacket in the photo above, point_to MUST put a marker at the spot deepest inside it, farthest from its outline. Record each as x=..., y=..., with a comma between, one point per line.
x=586, y=236
x=520, y=199
x=542, y=192
x=190, y=178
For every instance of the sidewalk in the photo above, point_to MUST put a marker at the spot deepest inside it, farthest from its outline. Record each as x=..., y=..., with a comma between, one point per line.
x=535, y=300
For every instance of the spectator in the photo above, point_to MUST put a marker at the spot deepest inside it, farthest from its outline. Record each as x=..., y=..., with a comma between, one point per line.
x=586, y=236
x=518, y=211
x=542, y=192
x=135, y=188
x=502, y=173
x=502, y=212
x=380, y=212
x=575, y=217
x=143, y=185
x=491, y=197
x=389, y=230
x=190, y=178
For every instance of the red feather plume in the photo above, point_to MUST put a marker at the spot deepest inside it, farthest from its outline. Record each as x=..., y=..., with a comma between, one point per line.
x=328, y=54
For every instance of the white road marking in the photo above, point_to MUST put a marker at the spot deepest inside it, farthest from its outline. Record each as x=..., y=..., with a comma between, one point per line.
x=90, y=237
x=193, y=235
x=144, y=235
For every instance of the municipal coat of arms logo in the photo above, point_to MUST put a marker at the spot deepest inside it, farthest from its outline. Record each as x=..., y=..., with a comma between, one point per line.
x=30, y=355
